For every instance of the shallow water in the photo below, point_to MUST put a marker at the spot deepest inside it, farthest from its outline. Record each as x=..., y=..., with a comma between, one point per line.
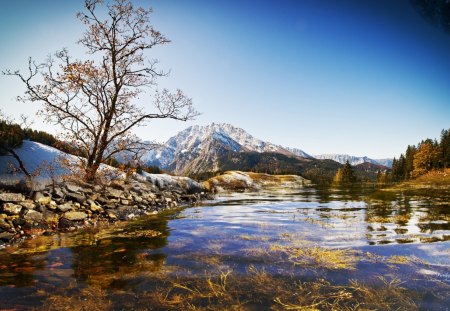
x=309, y=248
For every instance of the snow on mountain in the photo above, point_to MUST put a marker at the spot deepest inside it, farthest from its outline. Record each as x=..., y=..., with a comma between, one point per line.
x=298, y=152
x=353, y=160
x=199, y=146
x=385, y=162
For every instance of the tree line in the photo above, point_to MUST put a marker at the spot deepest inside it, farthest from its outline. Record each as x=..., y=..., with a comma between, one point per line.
x=417, y=160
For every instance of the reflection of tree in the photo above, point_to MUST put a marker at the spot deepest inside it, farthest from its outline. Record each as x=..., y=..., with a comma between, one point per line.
x=111, y=258
x=18, y=269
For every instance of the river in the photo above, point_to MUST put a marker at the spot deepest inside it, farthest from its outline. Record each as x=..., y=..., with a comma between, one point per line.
x=309, y=248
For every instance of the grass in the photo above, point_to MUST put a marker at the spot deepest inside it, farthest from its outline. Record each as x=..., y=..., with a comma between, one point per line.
x=432, y=184
x=317, y=257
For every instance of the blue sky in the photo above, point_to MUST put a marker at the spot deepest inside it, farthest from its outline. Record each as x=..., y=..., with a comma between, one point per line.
x=356, y=77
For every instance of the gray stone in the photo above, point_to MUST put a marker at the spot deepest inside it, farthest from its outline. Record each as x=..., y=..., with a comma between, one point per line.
x=114, y=193
x=75, y=216
x=28, y=204
x=73, y=188
x=42, y=198
x=65, y=207
x=11, y=208
x=11, y=197
x=75, y=197
x=58, y=193
x=33, y=216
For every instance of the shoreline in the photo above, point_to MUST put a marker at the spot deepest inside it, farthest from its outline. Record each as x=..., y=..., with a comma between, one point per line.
x=70, y=206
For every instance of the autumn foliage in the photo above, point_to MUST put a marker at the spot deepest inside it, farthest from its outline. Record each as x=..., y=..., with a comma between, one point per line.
x=94, y=100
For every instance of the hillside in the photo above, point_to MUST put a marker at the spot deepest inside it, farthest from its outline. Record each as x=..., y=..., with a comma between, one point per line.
x=44, y=163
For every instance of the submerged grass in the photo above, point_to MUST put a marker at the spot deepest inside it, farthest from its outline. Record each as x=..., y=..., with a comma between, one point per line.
x=254, y=290
x=317, y=257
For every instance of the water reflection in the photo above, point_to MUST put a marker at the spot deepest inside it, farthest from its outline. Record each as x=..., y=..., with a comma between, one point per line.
x=287, y=237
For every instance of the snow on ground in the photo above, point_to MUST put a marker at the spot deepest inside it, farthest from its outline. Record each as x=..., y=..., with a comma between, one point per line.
x=44, y=162
x=38, y=159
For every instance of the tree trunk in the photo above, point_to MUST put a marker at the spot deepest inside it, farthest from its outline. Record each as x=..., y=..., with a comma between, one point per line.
x=91, y=172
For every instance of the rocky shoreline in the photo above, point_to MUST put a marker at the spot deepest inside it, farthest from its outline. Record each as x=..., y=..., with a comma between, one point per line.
x=72, y=205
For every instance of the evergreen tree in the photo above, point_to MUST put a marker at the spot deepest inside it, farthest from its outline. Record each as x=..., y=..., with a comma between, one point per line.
x=409, y=160
x=348, y=175
x=445, y=148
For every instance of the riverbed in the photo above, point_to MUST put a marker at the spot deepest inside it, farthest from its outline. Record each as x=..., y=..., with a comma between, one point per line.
x=308, y=248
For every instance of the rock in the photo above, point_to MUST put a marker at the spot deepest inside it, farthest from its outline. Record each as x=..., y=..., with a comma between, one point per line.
x=111, y=215
x=44, y=200
x=75, y=197
x=93, y=207
x=58, y=193
x=124, y=202
x=73, y=187
x=114, y=193
x=28, y=204
x=65, y=207
x=12, y=209
x=33, y=216
x=51, y=218
x=11, y=197
x=6, y=236
x=75, y=216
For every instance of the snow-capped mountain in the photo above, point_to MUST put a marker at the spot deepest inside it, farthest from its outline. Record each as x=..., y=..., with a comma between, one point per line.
x=197, y=148
x=353, y=160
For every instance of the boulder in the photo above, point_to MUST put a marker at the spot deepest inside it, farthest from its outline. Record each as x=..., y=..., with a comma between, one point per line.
x=11, y=197
x=114, y=193
x=58, y=193
x=73, y=188
x=65, y=207
x=12, y=209
x=33, y=216
x=80, y=198
x=28, y=204
x=75, y=216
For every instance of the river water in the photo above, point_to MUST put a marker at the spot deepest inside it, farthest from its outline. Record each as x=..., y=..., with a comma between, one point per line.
x=303, y=249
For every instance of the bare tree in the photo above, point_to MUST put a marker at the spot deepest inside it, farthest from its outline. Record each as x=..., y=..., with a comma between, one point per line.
x=92, y=100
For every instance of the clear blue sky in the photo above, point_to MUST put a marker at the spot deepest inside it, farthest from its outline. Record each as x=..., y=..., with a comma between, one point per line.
x=356, y=77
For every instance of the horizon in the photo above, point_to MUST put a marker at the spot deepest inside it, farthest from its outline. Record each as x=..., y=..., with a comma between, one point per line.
x=363, y=79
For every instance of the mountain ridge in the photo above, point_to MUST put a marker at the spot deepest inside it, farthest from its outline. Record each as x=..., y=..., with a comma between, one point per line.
x=219, y=146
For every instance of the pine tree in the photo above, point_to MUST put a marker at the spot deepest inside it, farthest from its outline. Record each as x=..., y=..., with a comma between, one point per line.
x=409, y=160
x=445, y=148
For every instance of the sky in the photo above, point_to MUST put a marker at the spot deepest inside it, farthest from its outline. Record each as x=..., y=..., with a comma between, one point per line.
x=364, y=78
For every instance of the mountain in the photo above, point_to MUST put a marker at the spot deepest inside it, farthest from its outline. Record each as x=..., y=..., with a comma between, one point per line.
x=199, y=148
x=353, y=160
x=385, y=162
